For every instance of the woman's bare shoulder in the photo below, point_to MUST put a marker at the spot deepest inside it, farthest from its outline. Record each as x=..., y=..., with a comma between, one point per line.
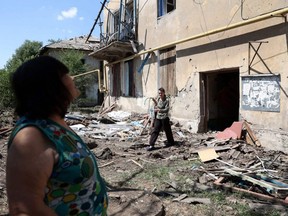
x=29, y=137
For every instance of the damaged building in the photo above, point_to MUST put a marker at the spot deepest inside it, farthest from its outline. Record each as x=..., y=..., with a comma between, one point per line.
x=85, y=46
x=219, y=61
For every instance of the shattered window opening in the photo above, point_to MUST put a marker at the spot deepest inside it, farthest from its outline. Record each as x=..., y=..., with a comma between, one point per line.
x=165, y=7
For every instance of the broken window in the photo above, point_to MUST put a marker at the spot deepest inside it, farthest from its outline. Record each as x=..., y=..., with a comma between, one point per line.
x=115, y=84
x=167, y=73
x=127, y=79
x=166, y=6
x=120, y=24
x=122, y=80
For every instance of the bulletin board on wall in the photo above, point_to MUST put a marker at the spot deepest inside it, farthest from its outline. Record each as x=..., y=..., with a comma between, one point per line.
x=261, y=93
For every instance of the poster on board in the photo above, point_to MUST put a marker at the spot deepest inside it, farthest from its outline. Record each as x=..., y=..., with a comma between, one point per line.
x=261, y=93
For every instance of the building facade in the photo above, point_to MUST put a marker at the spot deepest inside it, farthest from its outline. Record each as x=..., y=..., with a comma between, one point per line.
x=220, y=62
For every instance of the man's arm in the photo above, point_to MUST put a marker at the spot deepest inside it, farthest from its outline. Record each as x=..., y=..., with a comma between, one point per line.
x=165, y=109
x=29, y=165
x=155, y=101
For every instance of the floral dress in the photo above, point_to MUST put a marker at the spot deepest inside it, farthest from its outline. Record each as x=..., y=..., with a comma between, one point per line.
x=75, y=186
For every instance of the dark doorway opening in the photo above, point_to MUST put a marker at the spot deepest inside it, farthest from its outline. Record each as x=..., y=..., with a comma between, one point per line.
x=219, y=100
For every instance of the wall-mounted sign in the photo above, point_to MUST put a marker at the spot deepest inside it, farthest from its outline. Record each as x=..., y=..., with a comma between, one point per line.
x=261, y=93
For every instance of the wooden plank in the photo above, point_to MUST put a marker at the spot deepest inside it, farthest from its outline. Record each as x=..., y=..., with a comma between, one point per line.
x=5, y=131
x=248, y=139
x=145, y=125
x=272, y=188
x=220, y=184
x=218, y=148
x=251, y=134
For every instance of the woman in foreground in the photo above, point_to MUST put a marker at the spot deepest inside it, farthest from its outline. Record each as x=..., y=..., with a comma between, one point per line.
x=50, y=170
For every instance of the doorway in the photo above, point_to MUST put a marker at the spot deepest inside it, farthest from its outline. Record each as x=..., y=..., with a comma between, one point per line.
x=219, y=95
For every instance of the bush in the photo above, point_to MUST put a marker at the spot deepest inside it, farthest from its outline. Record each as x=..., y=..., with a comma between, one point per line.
x=6, y=97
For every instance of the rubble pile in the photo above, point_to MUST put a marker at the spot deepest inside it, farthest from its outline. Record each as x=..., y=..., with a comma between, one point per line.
x=235, y=162
x=232, y=159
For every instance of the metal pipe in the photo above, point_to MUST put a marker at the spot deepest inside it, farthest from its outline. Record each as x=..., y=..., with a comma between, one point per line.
x=134, y=16
x=95, y=22
x=83, y=74
x=105, y=88
x=249, y=50
x=218, y=30
x=102, y=88
x=120, y=20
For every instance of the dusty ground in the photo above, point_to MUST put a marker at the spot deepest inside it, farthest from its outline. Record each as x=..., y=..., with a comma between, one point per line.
x=169, y=181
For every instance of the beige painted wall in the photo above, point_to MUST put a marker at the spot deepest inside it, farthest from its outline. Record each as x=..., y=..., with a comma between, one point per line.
x=224, y=50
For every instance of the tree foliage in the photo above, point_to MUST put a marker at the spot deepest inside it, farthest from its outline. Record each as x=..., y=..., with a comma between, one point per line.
x=30, y=49
x=5, y=90
x=73, y=60
x=27, y=51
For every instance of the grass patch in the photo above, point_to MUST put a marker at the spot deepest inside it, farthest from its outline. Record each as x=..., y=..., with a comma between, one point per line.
x=159, y=175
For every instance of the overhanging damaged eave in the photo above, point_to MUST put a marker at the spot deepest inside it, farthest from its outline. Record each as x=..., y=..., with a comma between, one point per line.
x=114, y=51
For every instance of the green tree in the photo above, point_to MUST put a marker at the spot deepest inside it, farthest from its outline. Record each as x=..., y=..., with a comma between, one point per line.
x=27, y=51
x=73, y=60
x=5, y=90
x=30, y=49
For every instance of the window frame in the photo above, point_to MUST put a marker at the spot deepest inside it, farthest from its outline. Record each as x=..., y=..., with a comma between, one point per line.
x=165, y=7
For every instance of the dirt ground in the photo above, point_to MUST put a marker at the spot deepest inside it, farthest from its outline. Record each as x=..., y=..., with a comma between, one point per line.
x=169, y=180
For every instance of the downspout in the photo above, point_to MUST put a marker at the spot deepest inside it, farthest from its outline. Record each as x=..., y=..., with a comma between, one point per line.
x=218, y=30
x=106, y=85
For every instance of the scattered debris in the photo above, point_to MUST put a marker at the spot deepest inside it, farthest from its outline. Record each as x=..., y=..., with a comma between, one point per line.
x=232, y=160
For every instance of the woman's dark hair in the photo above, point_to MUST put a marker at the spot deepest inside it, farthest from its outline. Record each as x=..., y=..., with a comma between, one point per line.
x=38, y=89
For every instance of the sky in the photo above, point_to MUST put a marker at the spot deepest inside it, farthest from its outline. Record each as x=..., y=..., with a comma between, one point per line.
x=42, y=20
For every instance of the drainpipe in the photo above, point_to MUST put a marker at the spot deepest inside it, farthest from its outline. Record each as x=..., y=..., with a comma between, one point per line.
x=105, y=84
x=218, y=30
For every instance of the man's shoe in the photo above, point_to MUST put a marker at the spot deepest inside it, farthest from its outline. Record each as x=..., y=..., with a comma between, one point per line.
x=168, y=144
x=150, y=148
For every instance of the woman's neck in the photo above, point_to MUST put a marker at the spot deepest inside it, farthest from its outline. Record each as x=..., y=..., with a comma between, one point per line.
x=59, y=120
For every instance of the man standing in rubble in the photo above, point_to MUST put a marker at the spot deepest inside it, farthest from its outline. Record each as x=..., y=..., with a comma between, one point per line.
x=161, y=121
